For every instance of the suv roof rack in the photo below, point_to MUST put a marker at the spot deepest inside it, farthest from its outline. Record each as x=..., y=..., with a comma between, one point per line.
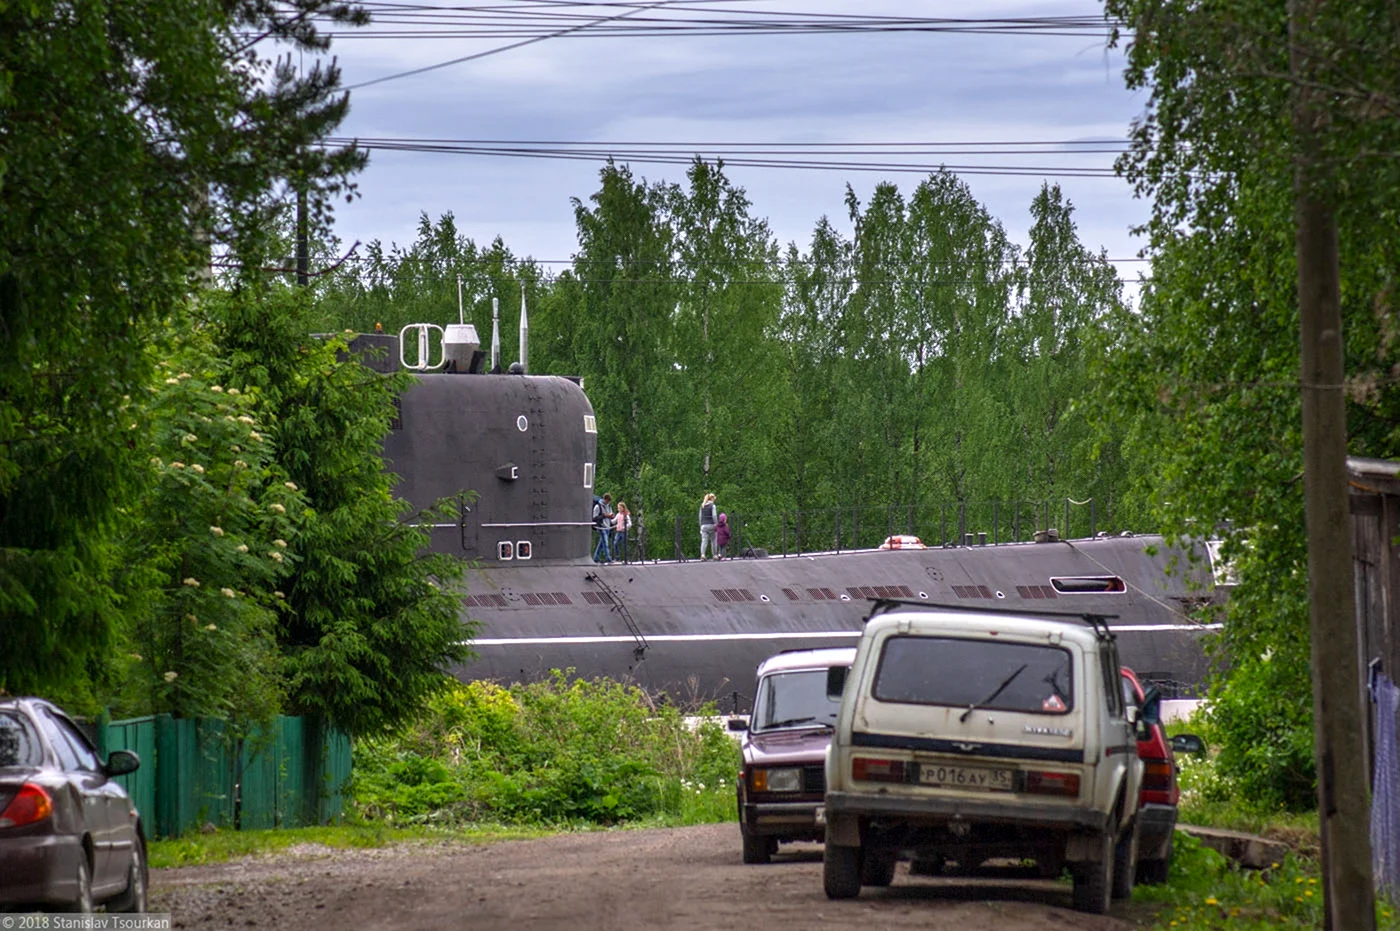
x=1096, y=620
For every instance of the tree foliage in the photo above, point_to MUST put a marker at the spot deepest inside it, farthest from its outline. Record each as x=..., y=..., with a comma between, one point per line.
x=1209, y=373
x=136, y=136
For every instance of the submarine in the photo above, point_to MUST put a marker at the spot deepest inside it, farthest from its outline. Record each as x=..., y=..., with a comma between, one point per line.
x=517, y=452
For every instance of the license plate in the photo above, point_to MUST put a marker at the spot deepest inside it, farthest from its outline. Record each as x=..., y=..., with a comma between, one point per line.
x=965, y=777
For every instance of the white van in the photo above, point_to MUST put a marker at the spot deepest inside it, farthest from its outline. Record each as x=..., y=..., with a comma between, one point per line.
x=970, y=735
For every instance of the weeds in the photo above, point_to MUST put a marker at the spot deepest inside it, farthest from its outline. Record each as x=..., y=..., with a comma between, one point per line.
x=556, y=752
x=1205, y=890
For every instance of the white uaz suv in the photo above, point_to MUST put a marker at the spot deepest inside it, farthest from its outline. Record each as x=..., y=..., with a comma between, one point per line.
x=969, y=735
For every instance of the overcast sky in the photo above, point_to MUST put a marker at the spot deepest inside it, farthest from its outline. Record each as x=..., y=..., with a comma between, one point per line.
x=865, y=87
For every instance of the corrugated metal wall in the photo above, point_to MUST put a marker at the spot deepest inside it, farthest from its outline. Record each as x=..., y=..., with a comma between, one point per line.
x=194, y=772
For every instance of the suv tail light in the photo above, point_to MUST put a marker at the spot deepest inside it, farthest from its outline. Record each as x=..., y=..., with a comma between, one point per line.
x=1157, y=776
x=1041, y=783
x=30, y=805
x=873, y=770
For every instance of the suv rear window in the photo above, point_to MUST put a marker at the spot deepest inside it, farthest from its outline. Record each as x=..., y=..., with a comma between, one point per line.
x=958, y=672
x=789, y=699
x=19, y=745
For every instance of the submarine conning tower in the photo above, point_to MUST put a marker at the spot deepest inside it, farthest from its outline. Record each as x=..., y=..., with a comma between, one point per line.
x=515, y=453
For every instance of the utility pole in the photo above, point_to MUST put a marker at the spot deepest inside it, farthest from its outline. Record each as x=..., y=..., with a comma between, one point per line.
x=302, y=235
x=1343, y=790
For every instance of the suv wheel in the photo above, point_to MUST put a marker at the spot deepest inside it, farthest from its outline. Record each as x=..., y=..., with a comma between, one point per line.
x=1094, y=880
x=878, y=869
x=1154, y=872
x=756, y=848
x=1125, y=862
x=841, y=870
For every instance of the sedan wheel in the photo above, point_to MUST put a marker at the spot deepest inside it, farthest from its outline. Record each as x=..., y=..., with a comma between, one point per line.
x=134, y=898
x=756, y=848
x=82, y=902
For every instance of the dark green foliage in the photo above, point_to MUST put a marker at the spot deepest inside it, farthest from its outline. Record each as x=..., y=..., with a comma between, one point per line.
x=136, y=134
x=1207, y=375
x=370, y=618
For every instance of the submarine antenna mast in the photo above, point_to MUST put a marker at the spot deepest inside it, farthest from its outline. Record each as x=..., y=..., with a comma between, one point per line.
x=461, y=318
x=524, y=334
x=495, y=334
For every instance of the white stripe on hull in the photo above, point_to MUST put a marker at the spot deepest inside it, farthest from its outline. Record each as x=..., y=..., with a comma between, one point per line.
x=786, y=635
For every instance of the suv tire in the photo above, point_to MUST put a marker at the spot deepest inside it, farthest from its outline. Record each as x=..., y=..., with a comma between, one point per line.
x=1125, y=862
x=878, y=868
x=1093, y=881
x=1154, y=872
x=841, y=871
x=756, y=849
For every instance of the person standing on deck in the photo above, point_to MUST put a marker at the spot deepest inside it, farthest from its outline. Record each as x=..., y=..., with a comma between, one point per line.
x=709, y=514
x=722, y=536
x=602, y=522
x=621, y=524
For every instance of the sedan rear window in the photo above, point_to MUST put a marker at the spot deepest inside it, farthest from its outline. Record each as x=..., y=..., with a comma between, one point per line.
x=19, y=745
x=984, y=673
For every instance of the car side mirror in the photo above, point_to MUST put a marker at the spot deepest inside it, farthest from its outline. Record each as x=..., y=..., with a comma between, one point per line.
x=1151, y=712
x=738, y=724
x=122, y=762
x=836, y=680
x=1188, y=743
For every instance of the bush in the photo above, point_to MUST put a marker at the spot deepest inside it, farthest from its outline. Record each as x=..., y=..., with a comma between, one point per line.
x=550, y=752
x=1265, y=727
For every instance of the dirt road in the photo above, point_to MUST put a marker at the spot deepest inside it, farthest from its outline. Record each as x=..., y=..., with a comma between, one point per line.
x=685, y=878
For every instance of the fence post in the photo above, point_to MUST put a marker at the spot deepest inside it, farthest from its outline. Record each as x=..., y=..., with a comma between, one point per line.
x=1093, y=521
x=962, y=522
x=996, y=519
x=167, y=767
x=679, y=556
x=1065, y=535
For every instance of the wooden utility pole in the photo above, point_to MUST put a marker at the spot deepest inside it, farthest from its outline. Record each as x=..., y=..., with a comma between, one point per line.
x=1339, y=723
x=303, y=236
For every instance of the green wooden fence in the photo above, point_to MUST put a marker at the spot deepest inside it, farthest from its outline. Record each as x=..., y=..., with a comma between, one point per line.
x=193, y=772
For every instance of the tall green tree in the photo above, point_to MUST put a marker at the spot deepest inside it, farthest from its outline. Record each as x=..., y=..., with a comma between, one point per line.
x=722, y=338
x=1069, y=295
x=136, y=135
x=369, y=622
x=623, y=282
x=1209, y=372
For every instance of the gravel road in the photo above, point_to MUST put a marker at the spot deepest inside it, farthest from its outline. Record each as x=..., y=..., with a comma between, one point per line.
x=683, y=878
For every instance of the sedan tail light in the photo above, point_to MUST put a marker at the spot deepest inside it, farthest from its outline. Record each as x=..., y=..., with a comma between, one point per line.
x=30, y=805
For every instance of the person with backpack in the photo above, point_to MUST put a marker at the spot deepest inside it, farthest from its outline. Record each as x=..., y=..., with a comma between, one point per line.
x=709, y=516
x=602, y=522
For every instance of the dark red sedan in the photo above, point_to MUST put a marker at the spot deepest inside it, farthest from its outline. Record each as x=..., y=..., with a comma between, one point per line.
x=70, y=838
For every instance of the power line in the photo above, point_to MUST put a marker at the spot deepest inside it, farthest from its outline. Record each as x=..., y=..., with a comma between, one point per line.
x=540, y=21
x=789, y=156
x=506, y=48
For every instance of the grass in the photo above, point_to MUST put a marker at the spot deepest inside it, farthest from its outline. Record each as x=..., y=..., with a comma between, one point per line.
x=219, y=846
x=1207, y=891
